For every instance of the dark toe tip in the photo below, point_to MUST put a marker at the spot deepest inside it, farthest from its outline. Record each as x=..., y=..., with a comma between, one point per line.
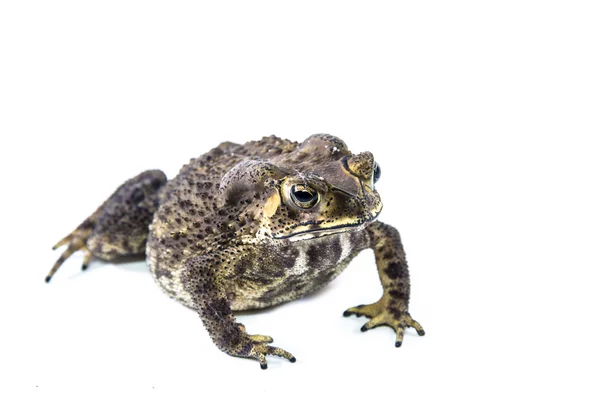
x=347, y=313
x=398, y=344
x=293, y=359
x=421, y=333
x=84, y=267
x=363, y=328
x=48, y=279
x=263, y=366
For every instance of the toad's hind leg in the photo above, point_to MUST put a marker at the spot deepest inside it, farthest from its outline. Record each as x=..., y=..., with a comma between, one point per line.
x=119, y=227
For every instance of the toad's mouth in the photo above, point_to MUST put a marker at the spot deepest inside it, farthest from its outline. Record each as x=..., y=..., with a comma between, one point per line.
x=314, y=231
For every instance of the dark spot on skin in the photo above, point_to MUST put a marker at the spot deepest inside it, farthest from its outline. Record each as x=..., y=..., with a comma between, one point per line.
x=394, y=312
x=242, y=266
x=87, y=224
x=235, y=194
x=288, y=256
x=395, y=270
x=156, y=183
x=314, y=254
x=137, y=196
x=324, y=254
x=160, y=272
x=396, y=294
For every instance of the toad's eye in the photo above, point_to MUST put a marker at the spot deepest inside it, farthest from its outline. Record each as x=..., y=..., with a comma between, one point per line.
x=304, y=196
x=376, y=172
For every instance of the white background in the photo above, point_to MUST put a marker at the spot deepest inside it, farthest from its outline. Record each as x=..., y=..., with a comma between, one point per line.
x=483, y=115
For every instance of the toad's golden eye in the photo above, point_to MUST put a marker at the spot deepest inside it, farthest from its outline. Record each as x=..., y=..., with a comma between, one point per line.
x=304, y=196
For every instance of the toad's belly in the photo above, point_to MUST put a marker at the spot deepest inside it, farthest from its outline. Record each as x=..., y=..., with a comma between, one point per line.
x=309, y=265
x=300, y=268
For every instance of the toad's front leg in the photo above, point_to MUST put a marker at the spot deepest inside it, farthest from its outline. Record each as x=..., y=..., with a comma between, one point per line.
x=203, y=278
x=392, y=308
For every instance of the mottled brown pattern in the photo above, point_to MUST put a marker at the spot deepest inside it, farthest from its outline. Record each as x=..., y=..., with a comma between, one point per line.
x=392, y=308
x=254, y=225
x=119, y=227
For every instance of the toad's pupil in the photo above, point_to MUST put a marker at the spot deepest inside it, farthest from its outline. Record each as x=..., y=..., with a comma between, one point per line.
x=303, y=196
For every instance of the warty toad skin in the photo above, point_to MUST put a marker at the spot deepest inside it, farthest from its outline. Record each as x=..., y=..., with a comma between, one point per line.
x=250, y=226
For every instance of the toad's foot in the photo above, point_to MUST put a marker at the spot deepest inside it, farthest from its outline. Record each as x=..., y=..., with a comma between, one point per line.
x=260, y=350
x=255, y=346
x=75, y=241
x=384, y=313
